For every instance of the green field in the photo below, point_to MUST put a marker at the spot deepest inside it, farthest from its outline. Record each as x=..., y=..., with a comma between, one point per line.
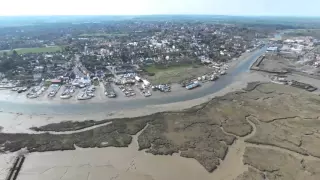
x=35, y=50
x=176, y=74
x=154, y=69
x=103, y=34
x=303, y=32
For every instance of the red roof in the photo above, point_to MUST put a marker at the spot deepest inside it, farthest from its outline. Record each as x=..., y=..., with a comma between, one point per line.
x=55, y=81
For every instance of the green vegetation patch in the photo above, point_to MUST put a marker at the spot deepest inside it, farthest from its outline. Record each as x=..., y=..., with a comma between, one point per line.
x=157, y=69
x=96, y=83
x=176, y=74
x=303, y=32
x=103, y=34
x=36, y=50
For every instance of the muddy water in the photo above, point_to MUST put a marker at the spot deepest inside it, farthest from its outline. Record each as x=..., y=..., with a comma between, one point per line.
x=125, y=164
x=232, y=165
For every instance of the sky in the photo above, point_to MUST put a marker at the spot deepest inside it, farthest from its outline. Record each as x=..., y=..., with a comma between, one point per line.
x=149, y=7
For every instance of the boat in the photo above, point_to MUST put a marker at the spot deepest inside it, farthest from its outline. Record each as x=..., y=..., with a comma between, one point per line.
x=21, y=90
x=223, y=72
x=83, y=96
x=213, y=78
x=52, y=94
x=65, y=96
x=31, y=96
x=193, y=85
x=112, y=95
x=147, y=94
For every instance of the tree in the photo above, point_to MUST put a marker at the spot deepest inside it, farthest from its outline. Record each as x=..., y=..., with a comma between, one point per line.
x=14, y=53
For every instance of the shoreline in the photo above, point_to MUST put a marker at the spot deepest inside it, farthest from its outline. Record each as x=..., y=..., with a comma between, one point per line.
x=21, y=99
x=239, y=67
x=12, y=122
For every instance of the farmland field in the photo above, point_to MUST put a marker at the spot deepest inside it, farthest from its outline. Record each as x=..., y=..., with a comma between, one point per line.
x=35, y=50
x=303, y=32
x=176, y=74
x=103, y=34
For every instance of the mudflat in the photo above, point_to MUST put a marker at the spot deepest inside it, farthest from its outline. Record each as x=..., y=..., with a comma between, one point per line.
x=273, y=129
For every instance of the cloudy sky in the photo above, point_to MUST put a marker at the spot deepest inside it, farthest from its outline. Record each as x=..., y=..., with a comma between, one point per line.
x=141, y=7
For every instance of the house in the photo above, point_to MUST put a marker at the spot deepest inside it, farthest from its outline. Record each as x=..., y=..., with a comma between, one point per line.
x=38, y=69
x=56, y=81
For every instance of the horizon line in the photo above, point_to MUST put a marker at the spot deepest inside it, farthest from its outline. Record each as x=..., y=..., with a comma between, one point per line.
x=136, y=15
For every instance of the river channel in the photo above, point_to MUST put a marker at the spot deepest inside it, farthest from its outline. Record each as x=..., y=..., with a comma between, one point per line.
x=115, y=105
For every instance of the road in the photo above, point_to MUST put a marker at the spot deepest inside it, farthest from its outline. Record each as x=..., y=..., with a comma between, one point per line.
x=78, y=66
x=223, y=82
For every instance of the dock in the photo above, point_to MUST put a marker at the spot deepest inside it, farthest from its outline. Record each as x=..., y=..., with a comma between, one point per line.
x=15, y=169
